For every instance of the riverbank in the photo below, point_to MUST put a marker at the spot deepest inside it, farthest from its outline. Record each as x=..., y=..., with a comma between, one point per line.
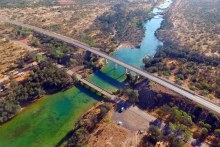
x=46, y=121
x=198, y=64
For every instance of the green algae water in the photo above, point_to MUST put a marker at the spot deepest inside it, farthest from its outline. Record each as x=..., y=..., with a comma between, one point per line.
x=48, y=120
x=111, y=79
x=108, y=78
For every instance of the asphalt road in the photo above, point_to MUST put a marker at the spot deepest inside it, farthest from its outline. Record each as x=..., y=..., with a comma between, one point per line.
x=186, y=93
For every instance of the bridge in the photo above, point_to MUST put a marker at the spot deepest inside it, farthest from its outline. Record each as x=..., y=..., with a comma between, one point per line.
x=176, y=88
x=93, y=86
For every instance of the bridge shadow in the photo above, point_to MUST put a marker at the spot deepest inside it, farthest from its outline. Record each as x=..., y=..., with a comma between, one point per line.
x=104, y=77
x=89, y=93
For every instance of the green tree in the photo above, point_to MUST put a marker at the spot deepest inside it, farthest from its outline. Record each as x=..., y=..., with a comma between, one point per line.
x=133, y=96
x=217, y=132
x=35, y=42
x=217, y=92
x=155, y=133
x=176, y=142
x=197, y=134
x=204, y=132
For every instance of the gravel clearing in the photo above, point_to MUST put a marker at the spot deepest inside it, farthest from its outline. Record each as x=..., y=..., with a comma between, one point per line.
x=133, y=119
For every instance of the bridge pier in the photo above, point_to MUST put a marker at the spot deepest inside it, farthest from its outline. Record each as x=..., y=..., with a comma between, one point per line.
x=106, y=61
x=138, y=76
x=115, y=66
x=126, y=71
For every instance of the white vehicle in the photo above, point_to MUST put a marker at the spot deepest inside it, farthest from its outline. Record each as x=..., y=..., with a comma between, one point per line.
x=122, y=109
x=119, y=122
x=141, y=131
x=20, y=74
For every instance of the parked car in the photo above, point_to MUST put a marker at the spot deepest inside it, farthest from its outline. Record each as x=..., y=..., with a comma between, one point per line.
x=122, y=109
x=119, y=122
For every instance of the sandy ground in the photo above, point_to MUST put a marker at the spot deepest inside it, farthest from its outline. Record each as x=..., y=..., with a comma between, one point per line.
x=109, y=135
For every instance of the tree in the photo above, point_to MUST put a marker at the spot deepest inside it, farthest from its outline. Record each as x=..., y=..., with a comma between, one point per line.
x=155, y=133
x=217, y=132
x=176, y=142
x=74, y=78
x=205, y=125
x=197, y=134
x=35, y=42
x=178, y=116
x=197, y=112
x=79, y=137
x=147, y=59
x=204, y=132
x=20, y=63
x=133, y=96
x=218, y=92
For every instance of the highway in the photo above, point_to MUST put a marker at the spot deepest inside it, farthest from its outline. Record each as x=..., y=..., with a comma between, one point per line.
x=178, y=89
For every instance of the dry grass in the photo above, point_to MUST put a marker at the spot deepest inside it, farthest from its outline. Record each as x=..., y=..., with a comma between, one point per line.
x=108, y=134
x=68, y=19
x=9, y=53
x=195, y=25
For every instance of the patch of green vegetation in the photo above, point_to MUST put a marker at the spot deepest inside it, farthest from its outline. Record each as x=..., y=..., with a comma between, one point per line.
x=87, y=39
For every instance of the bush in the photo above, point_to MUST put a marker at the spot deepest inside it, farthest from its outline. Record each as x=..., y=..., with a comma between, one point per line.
x=217, y=132
x=191, y=87
x=155, y=134
x=152, y=69
x=197, y=134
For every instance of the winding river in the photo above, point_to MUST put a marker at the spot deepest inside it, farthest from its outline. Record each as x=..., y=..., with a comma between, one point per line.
x=48, y=120
x=111, y=79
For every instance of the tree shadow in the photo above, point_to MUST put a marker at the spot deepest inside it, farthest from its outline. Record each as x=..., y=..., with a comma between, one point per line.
x=65, y=138
x=157, y=123
x=121, y=104
x=197, y=142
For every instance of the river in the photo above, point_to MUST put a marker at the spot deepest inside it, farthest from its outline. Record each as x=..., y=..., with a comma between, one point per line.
x=111, y=79
x=48, y=120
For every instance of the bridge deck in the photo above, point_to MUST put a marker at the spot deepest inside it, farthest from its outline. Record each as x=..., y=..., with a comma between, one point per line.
x=102, y=91
x=178, y=89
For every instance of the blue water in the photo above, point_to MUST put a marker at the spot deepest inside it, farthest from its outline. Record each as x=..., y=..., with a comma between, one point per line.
x=111, y=79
